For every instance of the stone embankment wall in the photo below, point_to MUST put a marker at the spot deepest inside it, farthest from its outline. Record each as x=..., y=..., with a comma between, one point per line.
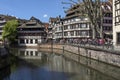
x=110, y=57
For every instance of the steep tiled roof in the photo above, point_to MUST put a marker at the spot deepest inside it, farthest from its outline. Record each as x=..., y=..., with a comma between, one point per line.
x=7, y=17
x=32, y=23
x=78, y=9
x=35, y=19
x=53, y=19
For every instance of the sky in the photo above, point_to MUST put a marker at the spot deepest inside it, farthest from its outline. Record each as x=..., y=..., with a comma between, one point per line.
x=24, y=9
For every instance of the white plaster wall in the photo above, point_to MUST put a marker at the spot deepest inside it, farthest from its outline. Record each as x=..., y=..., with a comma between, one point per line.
x=29, y=44
x=115, y=28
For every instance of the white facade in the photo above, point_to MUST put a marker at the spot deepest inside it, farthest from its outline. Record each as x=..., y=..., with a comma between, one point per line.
x=29, y=53
x=2, y=23
x=29, y=40
x=31, y=33
x=73, y=29
x=116, y=22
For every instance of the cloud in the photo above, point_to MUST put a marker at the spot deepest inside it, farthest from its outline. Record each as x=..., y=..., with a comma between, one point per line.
x=45, y=15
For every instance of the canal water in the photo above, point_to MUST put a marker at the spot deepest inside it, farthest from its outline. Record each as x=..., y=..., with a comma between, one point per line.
x=31, y=64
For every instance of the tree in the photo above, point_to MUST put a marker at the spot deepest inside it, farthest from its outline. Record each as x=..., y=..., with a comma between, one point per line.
x=94, y=13
x=10, y=31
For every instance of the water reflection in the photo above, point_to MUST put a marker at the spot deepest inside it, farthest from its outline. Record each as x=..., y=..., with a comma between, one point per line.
x=36, y=65
x=29, y=53
x=4, y=72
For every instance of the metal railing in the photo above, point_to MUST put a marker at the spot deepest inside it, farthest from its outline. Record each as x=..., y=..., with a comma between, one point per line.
x=91, y=45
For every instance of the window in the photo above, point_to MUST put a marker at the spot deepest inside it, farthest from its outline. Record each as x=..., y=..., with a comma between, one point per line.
x=77, y=26
x=83, y=33
x=71, y=27
x=58, y=34
x=118, y=38
x=72, y=33
x=83, y=26
x=22, y=53
x=110, y=21
x=31, y=41
x=22, y=41
x=78, y=33
x=65, y=27
x=117, y=12
x=60, y=28
x=27, y=52
x=0, y=28
x=31, y=53
x=36, y=41
x=65, y=21
x=65, y=34
x=26, y=40
x=57, y=28
x=36, y=53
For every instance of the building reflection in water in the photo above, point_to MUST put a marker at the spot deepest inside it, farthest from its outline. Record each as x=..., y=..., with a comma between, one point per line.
x=75, y=70
x=29, y=54
x=36, y=65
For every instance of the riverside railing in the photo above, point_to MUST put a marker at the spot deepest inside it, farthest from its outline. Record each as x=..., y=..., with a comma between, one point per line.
x=105, y=47
x=94, y=45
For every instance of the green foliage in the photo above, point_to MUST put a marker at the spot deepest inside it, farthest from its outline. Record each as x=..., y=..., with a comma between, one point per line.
x=10, y=30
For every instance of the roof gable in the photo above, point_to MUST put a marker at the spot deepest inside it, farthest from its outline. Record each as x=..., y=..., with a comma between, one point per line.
x=32, y=23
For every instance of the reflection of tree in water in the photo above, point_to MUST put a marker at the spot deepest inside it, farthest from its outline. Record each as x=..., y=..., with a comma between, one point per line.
x=5, y=72
x=4, y=66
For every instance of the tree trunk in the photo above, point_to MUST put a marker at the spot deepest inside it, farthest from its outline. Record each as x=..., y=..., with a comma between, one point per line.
x=101, y=28
x=101, y=33
x=94, y=33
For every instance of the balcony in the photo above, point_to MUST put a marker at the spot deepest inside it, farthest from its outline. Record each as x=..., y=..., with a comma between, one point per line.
x=30, y=37
x=108, y=18
x=1, y=26
x=30, y=31
x=76, y=22
x=108, y=32
x=0, y=36
x=77, y=29
x=1, y=31
x=80, y=36
x=72, y=11
x=2, y=21
x=107, y=24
